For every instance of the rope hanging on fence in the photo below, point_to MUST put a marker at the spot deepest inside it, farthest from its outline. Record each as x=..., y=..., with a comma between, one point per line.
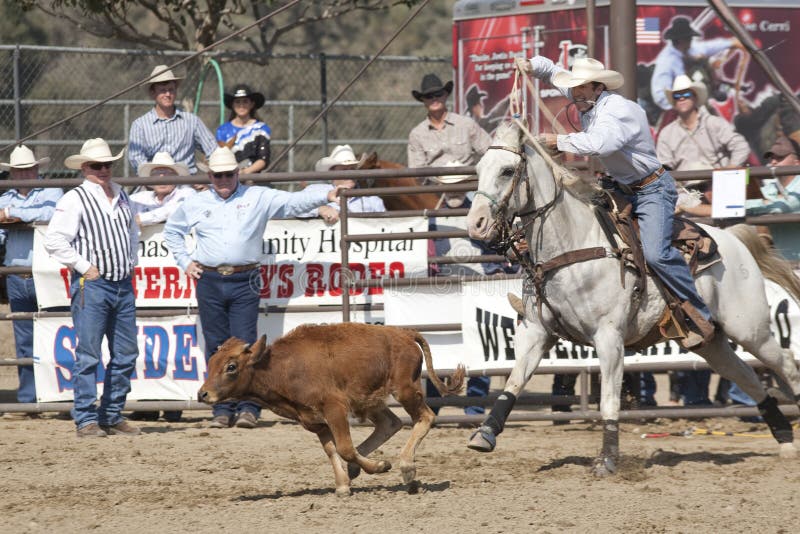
x=145, y=80
x=346, y=87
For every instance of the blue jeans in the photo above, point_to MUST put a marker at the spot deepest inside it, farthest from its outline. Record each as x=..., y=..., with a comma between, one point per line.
x=22, y=298
x=229, y=308
x=103, y=308
x=693, y=386
x=654, y=205
x=477, y=386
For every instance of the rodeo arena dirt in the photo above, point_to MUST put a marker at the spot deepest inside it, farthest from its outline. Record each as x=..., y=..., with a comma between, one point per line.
x=513, y=268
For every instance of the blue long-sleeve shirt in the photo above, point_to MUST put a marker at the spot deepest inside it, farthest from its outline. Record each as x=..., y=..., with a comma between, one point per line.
x=37, y=206
x=179, y=136
x=231, y=231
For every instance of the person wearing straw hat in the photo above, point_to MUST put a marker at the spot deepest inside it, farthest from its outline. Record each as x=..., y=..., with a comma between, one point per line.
x=698, y=138
x=615, y=130
x=671, y=61
x=93, y=232
x=155, y=205
x=166, y=128
x=244, y=133
x=229, y=220
x=26, y=203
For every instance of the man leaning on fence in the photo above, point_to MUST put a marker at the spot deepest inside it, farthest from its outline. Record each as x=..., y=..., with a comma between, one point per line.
x=93, y=232
x=228, y=221
x=165, y=128
x=25, y=204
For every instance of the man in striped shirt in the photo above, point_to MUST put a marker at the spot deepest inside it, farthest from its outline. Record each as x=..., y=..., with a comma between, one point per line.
x=165, y=128
x=93, y=232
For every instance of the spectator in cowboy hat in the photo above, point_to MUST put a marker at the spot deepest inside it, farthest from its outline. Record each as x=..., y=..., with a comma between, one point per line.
x=670, y=62
x=31, y=203
x=155, y=205
x=342, y=158
x=93, y=232
x=165, y=128
x=244, y=133
x=229, y=220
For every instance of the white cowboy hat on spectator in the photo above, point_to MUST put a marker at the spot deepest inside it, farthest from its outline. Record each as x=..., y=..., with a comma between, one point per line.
x=161, y=160
x=585, y=70
x=451, y=178
x=22, y=158
x=160, y=74
x=341, y=155
x=696, y=166
x=684, y=83
x=92, y=150
x=221, y=160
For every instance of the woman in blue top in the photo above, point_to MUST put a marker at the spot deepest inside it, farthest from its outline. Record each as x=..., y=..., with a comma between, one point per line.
x=246, y=136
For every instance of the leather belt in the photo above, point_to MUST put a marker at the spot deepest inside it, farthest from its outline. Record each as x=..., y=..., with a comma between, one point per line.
x=226, y=270
x=649, y=179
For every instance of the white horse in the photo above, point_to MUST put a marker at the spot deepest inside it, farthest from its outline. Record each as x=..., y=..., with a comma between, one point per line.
x=587, y=302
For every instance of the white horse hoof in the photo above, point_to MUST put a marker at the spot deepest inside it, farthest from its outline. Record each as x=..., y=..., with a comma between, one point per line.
x=788, y=451
x=604, y=467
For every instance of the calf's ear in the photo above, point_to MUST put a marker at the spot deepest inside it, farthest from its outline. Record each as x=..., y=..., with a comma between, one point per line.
x=259, y=351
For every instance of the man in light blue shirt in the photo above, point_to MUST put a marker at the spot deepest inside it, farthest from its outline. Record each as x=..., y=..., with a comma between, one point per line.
x=615, y=130
x=165, y=128
x=228, y=221
x=670, y=62
x=24, y=205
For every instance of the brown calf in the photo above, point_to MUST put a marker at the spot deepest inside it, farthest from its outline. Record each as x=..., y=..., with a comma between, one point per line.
x=318, y=374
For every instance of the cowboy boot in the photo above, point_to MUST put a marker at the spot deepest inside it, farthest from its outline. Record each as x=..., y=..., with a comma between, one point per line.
x=702, y=330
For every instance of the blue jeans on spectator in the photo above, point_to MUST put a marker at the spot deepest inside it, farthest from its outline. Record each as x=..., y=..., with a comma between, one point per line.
x=647, y=389
x=693, y=386
x=228, y=307
x=477, y=386
x=22, y=298
x=654, y=205
x=103, y=309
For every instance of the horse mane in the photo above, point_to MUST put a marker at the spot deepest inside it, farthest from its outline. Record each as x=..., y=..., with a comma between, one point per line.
x=510, y=134
x=772, y=264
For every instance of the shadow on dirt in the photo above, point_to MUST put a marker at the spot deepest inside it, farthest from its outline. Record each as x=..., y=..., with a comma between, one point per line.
x=397, y=488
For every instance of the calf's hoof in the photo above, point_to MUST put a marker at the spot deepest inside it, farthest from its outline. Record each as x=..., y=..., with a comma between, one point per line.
x=604, y=466
x=343, y=491
x=788, y=451
x=482, y=440
x=383, y=466
x=408, y=472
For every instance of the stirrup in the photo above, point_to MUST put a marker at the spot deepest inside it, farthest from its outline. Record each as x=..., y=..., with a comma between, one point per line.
x=517, y=304
x=702, y=331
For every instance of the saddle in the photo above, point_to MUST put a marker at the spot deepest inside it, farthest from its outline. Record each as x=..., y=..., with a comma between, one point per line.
x=614, y=212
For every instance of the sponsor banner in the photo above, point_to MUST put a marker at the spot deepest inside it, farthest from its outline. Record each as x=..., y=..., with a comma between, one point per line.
x=301, y=264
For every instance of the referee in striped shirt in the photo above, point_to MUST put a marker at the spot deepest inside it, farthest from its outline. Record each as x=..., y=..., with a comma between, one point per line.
x=93, y=232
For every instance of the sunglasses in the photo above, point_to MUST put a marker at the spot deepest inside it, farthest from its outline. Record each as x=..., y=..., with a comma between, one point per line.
x=229, y=174
x=437, y=94
x=682, y=95
x=98, y=165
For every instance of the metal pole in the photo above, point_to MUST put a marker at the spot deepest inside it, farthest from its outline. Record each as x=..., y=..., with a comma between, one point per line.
x=623, y=44
x=17, y=105
x=291, y=140
x=126, y=130
x=345, y=275
x=590, y=24
x=323, y=99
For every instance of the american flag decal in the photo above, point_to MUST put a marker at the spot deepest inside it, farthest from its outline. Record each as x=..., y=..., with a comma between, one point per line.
x=648, y=30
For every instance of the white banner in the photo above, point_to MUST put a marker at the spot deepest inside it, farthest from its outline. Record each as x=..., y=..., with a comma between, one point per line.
x=302, y=264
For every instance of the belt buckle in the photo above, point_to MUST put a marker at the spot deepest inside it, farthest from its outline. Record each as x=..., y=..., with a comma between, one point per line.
x=226, y=270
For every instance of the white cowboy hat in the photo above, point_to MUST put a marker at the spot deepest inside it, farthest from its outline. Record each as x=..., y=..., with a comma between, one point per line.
x=159, y=74
x=92, y=150
x=682, y=83
x=221, y=160
x=341, y=155
x=22, y=158
x=160, y=160
x=585, y=70
x=451, y=178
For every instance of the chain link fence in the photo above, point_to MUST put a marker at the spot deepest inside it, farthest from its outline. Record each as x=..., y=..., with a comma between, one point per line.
x=46, y=84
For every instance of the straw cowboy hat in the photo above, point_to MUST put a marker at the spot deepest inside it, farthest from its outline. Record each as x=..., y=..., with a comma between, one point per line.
x=160, y=74
x=92, y=150
x=163, y=160
x=221, y=160
x=683, y=83
x=22, y=158
x=451, y=178
x=431, y=84
x=341, y=155
x=585, y=70
x=243, y=91
x=681, y=28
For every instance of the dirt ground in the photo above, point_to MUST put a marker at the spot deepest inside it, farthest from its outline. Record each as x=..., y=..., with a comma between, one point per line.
x=184, y=477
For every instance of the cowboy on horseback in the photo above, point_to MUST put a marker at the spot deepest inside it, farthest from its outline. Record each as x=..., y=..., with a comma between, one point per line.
x=616, y=131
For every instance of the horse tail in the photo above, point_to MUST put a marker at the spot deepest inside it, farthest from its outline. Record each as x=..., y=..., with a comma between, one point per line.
x=772, y=265
x=454, y=384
